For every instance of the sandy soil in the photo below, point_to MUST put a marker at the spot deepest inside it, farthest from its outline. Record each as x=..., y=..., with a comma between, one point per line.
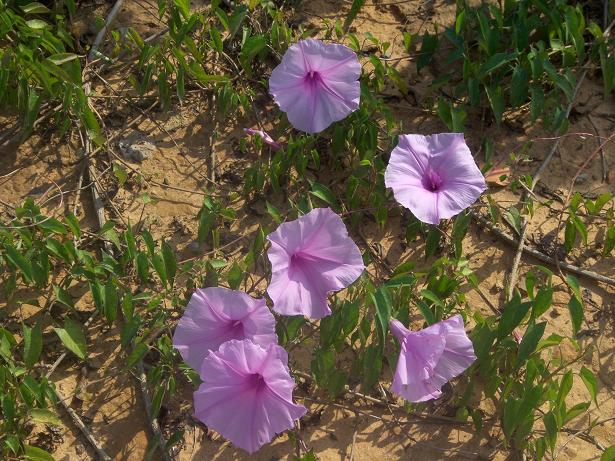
x=107, y=396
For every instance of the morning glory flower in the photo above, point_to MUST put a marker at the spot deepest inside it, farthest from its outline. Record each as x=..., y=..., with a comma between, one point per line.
x=434, y=176
x=316, y=84
x=264, y=136
x=247, y=393
x=430, y=357
x=216, y=315
x=311, y=257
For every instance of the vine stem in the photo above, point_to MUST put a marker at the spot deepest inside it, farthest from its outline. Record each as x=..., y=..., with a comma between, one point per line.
x=514, y=272
x=483, y=222
x=101, y=33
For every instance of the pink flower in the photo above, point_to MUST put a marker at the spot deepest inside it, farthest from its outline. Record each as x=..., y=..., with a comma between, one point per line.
x=316, y=84
x=217, y=315
x=311, y=257
x=247, y=393
x=430, y=357
x=434, y=176
x=264, y=136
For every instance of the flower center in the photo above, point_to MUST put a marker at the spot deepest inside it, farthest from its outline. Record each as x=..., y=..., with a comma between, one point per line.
x=256, y=381
x=313, y=78
x=236, y=329
x=432, y=180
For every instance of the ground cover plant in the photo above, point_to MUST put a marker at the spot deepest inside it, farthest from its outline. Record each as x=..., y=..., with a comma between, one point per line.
x=307, y=230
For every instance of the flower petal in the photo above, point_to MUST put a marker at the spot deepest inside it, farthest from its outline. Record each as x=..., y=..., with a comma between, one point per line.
x=333, y=101
x=316, y=84
x=417, y=159
x=247, y=411
x=216, y=315
x=462, y=181
x=333, y=61
x=310, y=257
x=458, y=352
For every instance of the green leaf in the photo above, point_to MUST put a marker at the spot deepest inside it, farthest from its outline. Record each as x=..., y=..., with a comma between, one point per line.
x=542, y=301
x=355, y=8
x=372, y=365
x=580, y=226
x=136, y=354
x=519, y=86
x=608, y=454
x=495, y=62
x=19, y=261
x=216, y=39
x=33, y=344
x=61, y=58
x=197, y=72
x=496, y=99
x=111, y=302
x=42, y=415
x=72, y=337
x=251, y=48
x=170, y=263
x=234, y=276
x=274, y=213
x=35, y=8
x=239, y=14
x=158, y=263
x=142, y=267
x=383, y=303
x=590, y=383
x=324, y=193
x=433, y=241
x=37, y=454
x=73, y=224
x=576, y=314
x=570, y=235
x=538, y=100
x=529, y=342
x=513, y=218
x=514, y=313
x=429, y=45
x=183, y=6
x=37, y=24
x=575, y=411
x=551, y=428
x=63, y=296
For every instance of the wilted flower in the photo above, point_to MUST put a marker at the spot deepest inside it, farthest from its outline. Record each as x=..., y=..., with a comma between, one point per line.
x=216, y=315
x=430, y=357
x=311, y=257
x=316, y=84
x=246, y=394
x=434, y=176
x=264, y=136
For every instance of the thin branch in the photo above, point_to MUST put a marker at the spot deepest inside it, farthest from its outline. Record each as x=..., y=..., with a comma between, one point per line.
x=101, y=33
x=82, y=427
x=153, y=422
x=512, y=282
x=483, y=222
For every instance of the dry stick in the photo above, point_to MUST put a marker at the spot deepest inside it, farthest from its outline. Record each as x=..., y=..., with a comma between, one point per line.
x=605, y=167
x=82, y=427
x=436, y=418
x=571, y=187
x=483, y=222
x=512, y=282
x=101, y=34
x=212, y=139
x=154, y=426
x=74, y=416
